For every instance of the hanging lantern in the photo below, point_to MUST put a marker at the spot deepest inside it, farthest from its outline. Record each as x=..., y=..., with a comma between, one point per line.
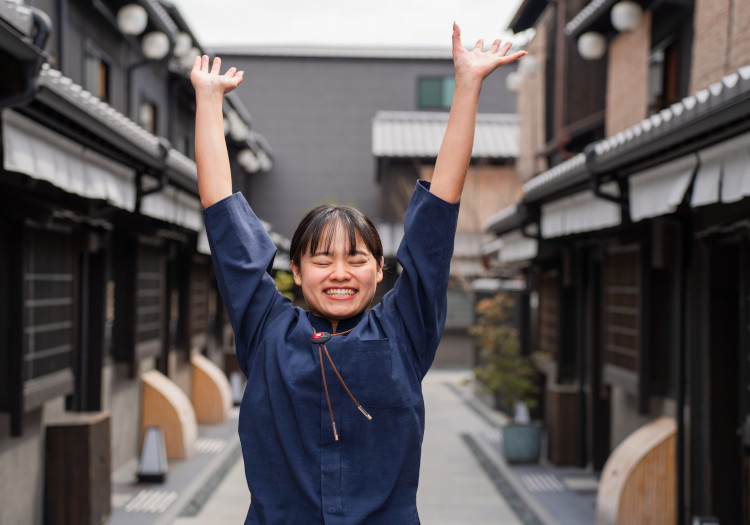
x=592, y=45
x=132, y=19
x=155, y=45
x=626, y=15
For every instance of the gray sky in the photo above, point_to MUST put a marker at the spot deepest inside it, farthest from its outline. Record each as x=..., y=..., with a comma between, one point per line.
x=424, y=23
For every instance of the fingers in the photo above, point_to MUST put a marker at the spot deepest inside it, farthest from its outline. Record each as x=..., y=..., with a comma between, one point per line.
x=495, y=46
x=506, y=47
x=197, y=63
x=216, y=66
x=456, y=36
x=480, y=44
x=204, y=63
x=230, y=72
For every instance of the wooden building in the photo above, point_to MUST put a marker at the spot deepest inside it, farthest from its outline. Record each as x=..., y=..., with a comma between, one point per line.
x=105, y=272
x=632, y=235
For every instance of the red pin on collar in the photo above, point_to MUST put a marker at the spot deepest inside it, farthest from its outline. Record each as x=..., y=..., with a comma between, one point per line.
x=320, y=338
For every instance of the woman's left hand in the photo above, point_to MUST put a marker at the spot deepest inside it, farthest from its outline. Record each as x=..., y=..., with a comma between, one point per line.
x=474, y=66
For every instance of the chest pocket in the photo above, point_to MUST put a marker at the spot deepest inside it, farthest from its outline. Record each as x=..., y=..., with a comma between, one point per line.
x=382, y=381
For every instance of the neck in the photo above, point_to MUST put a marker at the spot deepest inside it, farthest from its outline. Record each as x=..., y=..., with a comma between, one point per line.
x=334, y=324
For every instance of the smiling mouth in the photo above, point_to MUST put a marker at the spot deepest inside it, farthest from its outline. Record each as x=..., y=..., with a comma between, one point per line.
x=340, y=292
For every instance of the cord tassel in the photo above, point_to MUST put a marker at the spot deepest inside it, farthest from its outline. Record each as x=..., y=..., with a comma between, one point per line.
x=319, y=338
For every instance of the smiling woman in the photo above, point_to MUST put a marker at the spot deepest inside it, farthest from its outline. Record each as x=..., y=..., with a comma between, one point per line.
x=309, y=455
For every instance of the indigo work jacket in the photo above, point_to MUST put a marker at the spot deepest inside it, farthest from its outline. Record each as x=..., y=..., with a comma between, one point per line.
x=296, y=472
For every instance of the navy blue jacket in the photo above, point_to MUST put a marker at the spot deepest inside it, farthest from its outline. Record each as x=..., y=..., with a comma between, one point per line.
x=296, y=472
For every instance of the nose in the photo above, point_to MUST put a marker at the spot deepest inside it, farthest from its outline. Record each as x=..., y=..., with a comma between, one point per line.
x=340, y=271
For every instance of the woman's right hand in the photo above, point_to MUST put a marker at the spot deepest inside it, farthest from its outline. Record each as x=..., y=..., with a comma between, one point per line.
x=212, y=82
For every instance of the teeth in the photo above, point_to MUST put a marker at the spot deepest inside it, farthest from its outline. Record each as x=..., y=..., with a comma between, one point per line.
x=340, y=291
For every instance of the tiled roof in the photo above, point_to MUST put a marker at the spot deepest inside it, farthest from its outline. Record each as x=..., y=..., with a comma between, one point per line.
x=561, y=173
x=720, y=103
x=419, y=134
x=101, y=111
x=587, y=15
x=729, y=91
x=17, y=15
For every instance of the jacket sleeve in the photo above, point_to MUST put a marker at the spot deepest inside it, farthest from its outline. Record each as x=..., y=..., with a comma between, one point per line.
x=420, y=294
x=243, y=254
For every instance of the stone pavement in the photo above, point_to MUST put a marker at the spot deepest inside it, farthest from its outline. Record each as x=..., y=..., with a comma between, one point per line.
x=463, y=480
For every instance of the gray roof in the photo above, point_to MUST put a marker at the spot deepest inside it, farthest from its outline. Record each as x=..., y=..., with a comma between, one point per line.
x=419, y=134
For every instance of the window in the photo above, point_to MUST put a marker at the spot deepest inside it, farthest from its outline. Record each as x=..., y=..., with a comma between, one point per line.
x=147, y=116
x=622, y=307
x=96, y=75
x=669, y=61
x=662, y=81
x=436, y=92
x=49, y=298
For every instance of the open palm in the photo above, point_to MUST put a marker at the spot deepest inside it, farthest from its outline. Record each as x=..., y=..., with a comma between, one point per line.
x=477, y=64
x=211, y=81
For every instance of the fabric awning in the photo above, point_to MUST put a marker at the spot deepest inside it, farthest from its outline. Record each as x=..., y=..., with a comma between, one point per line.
x=174, y=206
x=42, y=154
x=659, y=190
x=581, y=212
x=724, y=172
x=517, y=248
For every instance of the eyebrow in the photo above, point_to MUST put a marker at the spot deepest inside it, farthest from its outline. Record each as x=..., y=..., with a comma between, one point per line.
x=329, y=254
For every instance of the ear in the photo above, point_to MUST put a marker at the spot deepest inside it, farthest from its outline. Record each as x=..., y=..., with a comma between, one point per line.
x=296, y=273
x=380, y=269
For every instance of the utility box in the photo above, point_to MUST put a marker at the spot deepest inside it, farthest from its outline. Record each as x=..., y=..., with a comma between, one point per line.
x=78, y=460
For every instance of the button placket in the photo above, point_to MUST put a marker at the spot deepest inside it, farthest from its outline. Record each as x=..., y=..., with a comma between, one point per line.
x=330, y=471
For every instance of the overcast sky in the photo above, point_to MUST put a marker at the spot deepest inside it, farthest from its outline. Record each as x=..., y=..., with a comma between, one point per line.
x=409, y=23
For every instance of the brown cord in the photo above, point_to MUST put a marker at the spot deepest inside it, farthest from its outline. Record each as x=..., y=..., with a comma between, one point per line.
x=343, y=383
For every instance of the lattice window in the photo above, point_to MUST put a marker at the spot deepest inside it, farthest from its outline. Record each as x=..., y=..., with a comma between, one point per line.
x=549, y=313
x=622, y=307
x=149, y=306
x=199, y=297
x=49, y=303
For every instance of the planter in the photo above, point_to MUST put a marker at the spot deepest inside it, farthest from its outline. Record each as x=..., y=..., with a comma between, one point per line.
x=522, y=443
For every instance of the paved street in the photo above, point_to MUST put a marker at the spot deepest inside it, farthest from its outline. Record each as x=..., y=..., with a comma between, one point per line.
x=463, y=477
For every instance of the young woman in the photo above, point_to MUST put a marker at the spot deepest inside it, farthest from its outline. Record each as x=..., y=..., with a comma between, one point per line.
x=332, y=418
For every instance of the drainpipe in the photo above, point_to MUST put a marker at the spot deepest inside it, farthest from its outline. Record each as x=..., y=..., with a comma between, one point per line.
x=161, y=176
x=62, y=32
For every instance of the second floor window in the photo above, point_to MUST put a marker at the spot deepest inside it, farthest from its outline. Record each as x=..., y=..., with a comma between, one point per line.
x=96, y=75
x=147, y=116
x=435, y=92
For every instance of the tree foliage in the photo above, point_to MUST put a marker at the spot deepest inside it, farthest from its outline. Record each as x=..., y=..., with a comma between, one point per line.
x=503, y=370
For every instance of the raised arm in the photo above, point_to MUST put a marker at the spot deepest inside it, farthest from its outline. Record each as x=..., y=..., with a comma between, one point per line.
x=211, y=157
x=471, y=67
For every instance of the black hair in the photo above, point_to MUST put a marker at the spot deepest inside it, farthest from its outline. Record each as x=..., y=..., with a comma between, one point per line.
x=320, y=224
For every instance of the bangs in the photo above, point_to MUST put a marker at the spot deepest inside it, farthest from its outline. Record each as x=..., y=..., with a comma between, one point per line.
x=324, y=235
x=320, y=228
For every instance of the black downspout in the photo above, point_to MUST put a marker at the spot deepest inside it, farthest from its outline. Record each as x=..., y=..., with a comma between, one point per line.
x=161, y=178
x=62, y=32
